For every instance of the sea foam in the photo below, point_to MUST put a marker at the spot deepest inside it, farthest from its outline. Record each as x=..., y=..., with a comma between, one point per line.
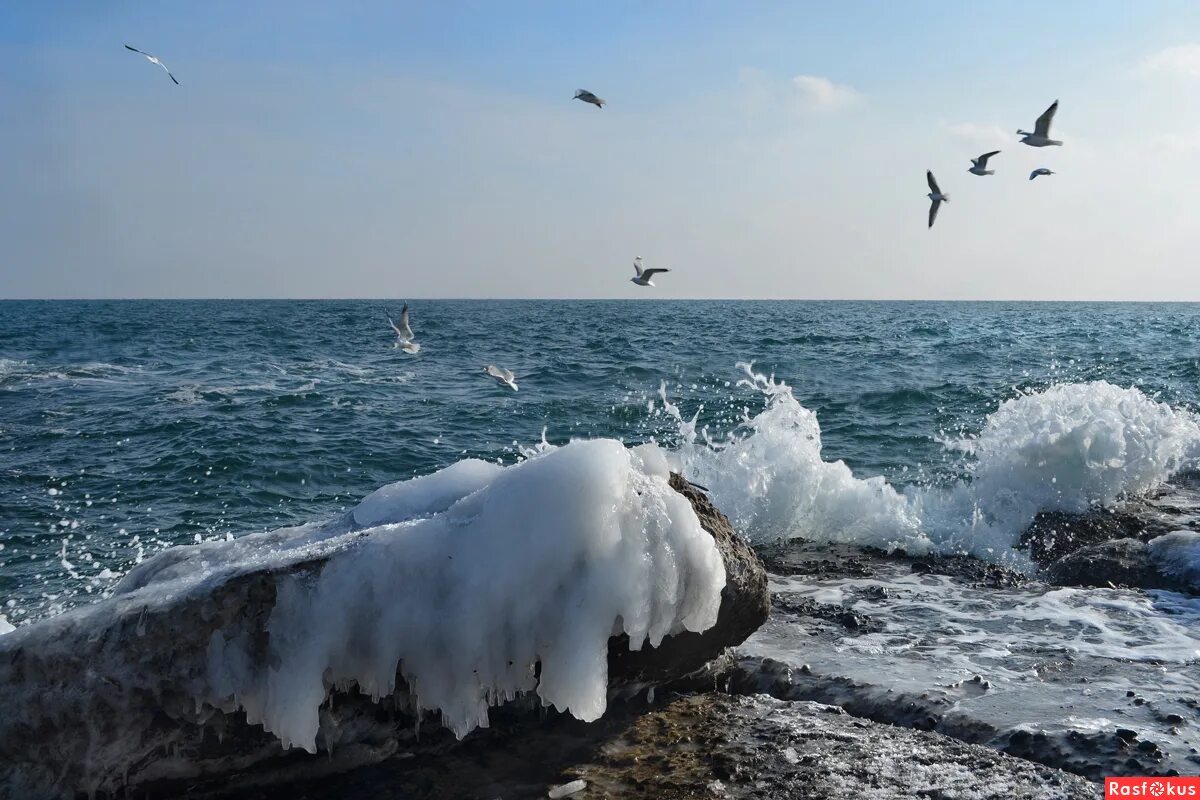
x=462, y=583
x=1070, y=448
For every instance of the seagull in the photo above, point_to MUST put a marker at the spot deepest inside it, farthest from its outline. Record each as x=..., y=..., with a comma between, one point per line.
x=1040, y=171
x=935, y=194
x=404, y=334
x=980, y=164
x=644, y=275
x=153, y=60
x=588, y=97
x=1041, y=131
x=504, y=377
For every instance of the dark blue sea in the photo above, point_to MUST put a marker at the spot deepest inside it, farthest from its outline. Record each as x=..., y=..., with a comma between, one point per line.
x=128, y=426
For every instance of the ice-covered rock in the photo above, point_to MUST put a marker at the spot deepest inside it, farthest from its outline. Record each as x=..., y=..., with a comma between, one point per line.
x=578, y=573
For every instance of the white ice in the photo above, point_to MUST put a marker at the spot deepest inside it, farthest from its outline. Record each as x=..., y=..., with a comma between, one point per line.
x=470, y=577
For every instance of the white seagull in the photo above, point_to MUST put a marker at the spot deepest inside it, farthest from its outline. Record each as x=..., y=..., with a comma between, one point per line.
x=979, y=165
x=644, y=275
x=1040, y=171
x=153, y=60
x=404, y=334
x=936, y=195
x=588, y=97
x=504, y=377
x=1041, y=131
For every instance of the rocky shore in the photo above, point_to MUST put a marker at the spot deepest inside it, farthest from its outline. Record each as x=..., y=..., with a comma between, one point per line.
x=107, y=693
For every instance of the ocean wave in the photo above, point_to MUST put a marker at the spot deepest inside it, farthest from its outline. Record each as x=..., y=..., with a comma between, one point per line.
x=14, y=371
x=1070, y=447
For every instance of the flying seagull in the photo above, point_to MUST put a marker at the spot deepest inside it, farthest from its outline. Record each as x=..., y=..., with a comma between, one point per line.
x=980, y=164
x=588, y=97
x=1040, y=171
x=404, y=334
x=644, y=275
x=935, y=194
x=504, y=377
x=1041, y=131
x=153, y=60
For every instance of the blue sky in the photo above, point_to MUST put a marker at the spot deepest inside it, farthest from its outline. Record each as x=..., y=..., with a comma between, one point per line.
x=758, y=150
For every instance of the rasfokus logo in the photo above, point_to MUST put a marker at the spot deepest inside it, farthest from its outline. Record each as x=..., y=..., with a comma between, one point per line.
x=1151, y=787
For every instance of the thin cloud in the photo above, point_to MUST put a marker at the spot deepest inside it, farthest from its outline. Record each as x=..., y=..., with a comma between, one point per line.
x=821, y=94
x=983, y=136
x=1177, y=143
x=1180, y=59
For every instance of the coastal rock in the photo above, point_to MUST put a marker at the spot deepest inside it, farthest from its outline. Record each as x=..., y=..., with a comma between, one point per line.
x=1162, y=563
x=104, y=700
x=1119, y=562
x=709, y=745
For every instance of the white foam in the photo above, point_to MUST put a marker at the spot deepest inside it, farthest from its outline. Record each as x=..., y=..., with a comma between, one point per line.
x=1068, y=448
x=772, y=482
x=480, y=574
x=5, y=626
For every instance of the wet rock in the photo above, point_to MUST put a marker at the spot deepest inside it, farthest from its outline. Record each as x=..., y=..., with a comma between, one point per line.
x=805, y=607
x=1116, y=563
x=1054, y=534
x=1090, y=755
x=709, y=745
x=825, y=561
x=107, y=692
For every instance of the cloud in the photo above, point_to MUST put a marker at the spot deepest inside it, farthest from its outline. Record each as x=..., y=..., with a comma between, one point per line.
x=1180, y=59
x=1176, y=143
x=822, y=94
x=983, y=136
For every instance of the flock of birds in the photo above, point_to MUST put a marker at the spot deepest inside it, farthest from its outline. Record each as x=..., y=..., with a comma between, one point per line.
x=1039, y=138
x=404, y=334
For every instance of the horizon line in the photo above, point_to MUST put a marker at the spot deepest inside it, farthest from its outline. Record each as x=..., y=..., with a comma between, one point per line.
x=416, y=298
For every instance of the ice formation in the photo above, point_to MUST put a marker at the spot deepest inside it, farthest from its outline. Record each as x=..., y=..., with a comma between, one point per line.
x=464, y=582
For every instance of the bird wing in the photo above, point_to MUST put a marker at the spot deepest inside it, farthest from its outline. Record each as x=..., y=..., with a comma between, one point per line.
x=405, y=330
x=1043, y=122
x=654, y=271
x=393, y=324
x=983, y=159
x=141, y=52
x=637, y=265
x=933, y=209
x=933, y=187
x=169, y=75
x=500, y=373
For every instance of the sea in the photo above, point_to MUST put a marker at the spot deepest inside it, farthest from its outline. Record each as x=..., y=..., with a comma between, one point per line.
x=128, y=427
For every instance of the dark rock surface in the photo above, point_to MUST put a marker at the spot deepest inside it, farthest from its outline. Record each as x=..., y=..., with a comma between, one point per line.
x=101, y=700
x=711, y=745
x=1119, y=562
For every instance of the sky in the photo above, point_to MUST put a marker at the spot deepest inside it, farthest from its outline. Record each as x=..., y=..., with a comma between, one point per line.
x=758, y=149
